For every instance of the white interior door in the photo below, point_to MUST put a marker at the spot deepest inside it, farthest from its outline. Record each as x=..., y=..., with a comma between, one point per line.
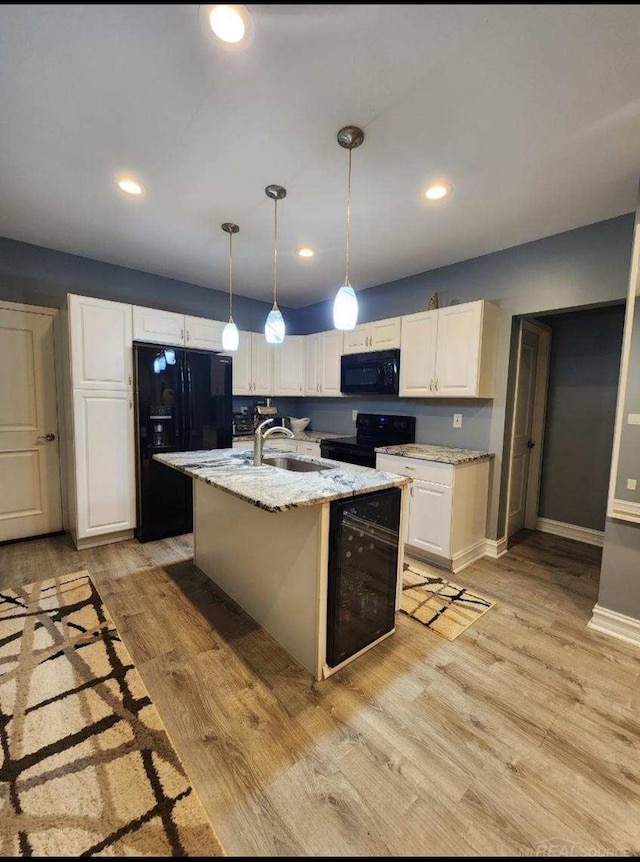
x=30, y=502
x=521, y=441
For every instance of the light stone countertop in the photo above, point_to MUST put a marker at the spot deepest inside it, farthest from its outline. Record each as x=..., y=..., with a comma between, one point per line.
x=304, y=436
x=276, y=490
x=443, y=454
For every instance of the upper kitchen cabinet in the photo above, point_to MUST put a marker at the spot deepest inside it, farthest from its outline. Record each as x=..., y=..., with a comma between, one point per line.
x=252, y=365
x=203, y=333
x=100, y=341
x=159, y=327
x=329, y=363
x=261, y=364
x=322, y=353
x=418, y=354
x=288, y=366
x=241, y=371
x=378, y=335
x=450, y=352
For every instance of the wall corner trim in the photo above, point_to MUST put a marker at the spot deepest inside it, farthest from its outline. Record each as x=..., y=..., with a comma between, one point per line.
x=615, y=625
x=495, y=548
x=571, y=531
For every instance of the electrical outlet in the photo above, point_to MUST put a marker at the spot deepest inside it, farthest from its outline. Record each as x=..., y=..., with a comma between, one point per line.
x=632, y=484
x=354, y=415
x=457, y=420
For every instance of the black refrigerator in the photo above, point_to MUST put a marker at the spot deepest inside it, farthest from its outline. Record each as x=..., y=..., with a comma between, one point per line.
x=183, y=403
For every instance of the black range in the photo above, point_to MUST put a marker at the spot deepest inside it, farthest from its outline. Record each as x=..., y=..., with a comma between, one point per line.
x=373, y=430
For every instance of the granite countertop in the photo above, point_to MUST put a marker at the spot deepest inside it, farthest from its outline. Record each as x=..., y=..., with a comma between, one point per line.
x=305, y=436
x=443, y=454
x=273, y=489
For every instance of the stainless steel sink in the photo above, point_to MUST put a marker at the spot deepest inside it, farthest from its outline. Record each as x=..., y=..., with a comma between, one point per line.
x=284, y=462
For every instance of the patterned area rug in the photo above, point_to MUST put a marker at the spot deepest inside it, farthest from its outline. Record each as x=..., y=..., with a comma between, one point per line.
x=86, y=767
x=442, y=606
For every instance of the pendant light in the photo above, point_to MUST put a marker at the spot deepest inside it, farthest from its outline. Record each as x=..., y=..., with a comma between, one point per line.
x=345, y=305
x=274, y=327
x=230, y=337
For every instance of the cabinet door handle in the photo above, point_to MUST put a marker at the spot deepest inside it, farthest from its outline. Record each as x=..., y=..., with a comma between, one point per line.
x=182, y=333
x=436, y=383
x=409, y=468
x=411, y=490
x=431, y=386
x=187, y=334
x=130, y=403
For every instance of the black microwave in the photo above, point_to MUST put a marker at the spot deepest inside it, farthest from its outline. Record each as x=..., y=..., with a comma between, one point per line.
x=376, y=373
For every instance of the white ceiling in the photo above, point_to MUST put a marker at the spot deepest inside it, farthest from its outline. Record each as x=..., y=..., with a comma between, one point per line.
x=531, y=111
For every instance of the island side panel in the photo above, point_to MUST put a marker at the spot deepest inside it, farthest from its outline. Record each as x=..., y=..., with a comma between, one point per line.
x=269, y=563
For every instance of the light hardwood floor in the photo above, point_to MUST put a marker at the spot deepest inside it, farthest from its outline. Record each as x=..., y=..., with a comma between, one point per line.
x=520, y=737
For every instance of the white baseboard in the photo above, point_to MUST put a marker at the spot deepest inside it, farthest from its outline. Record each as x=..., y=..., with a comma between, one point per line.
x=571, y=531
x=616, y=625
x=495, y=548
x=464, y=558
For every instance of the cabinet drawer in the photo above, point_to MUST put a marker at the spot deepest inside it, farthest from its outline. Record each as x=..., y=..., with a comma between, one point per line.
x=428, y=471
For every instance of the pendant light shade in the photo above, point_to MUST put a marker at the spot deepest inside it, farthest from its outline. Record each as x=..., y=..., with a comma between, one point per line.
x=230, y=336
x=345, y=305
x=345, y=308
x=274, y=327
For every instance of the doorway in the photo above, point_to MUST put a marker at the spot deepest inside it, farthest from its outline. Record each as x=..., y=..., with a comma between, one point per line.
x=30, y=502
x=527, y=430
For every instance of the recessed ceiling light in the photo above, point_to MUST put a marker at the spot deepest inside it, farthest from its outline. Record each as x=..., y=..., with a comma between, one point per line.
x=305, y=252
x=228, y=23
x=129, y=185
x=437, y=191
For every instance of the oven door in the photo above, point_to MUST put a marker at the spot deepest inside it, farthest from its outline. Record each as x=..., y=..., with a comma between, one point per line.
x=370, y=373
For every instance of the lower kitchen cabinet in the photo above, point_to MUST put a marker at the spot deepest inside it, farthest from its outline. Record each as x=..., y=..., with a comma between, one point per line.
x=448, y=505
x=104, y=463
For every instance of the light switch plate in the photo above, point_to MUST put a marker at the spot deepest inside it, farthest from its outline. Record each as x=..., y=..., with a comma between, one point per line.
x=633, y=419
x=457, y=420
x=632, y=484
x=354, y=415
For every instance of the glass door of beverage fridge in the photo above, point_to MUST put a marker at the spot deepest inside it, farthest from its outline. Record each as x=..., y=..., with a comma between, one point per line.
x=363, y=571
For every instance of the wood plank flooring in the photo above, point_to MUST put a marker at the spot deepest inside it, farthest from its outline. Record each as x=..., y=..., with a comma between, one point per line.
x=522, y=736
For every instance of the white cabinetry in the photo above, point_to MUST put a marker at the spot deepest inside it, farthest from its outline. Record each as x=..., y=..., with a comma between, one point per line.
x=322, y=353
x=288, y=366
x=99, y=455
x=158, y=327
x=261, y=364
x=378, y=335
x=253, y=365
x=167, y=327
x=450, y=352
x=100, y=343
x=241, y=373
x=447, y=508
x=418, y=354
x=105, y=469
x=203, y=333
x=312, y=364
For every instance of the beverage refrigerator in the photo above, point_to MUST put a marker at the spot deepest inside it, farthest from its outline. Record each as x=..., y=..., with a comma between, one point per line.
x=183, y=403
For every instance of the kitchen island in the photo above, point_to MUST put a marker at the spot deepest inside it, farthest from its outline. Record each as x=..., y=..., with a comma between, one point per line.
x=312, y=549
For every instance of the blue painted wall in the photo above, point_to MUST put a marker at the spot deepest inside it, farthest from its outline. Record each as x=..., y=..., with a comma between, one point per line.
x=41, y=276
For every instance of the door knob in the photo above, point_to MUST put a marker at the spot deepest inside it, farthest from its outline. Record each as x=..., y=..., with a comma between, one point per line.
x=47, y=438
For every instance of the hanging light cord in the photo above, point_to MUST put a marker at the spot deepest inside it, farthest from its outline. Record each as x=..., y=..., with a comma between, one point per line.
x=275, y=254
x=230, y=277
x=348, y=254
